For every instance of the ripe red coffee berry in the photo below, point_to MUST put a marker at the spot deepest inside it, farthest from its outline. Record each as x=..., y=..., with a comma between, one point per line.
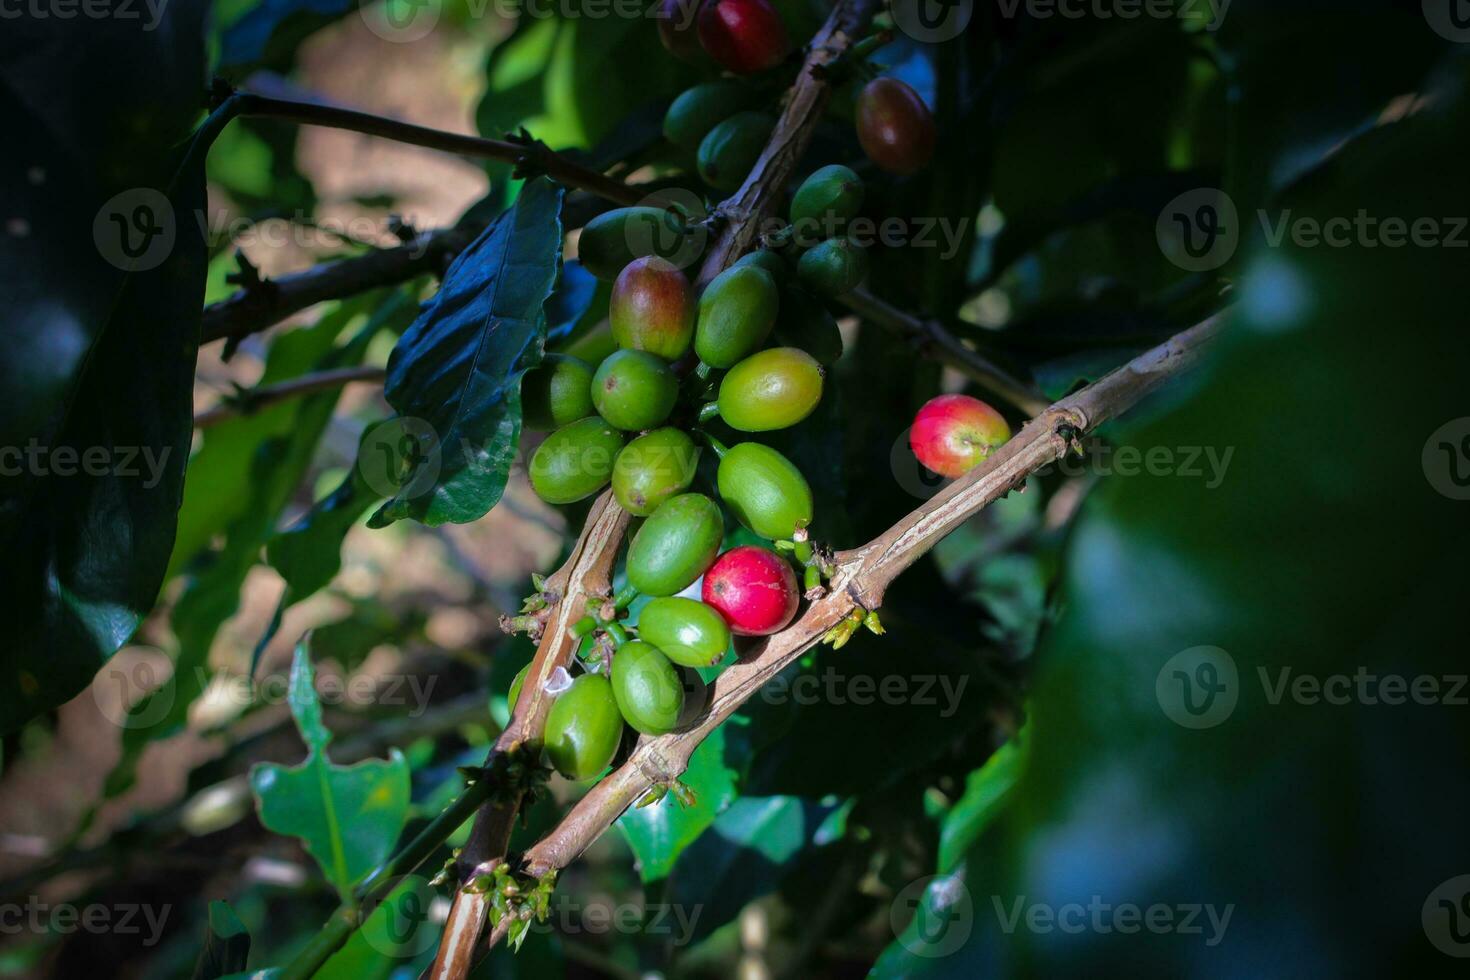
x=753, y=589
x=894, y=126
x=952, y=434
x=744, y=36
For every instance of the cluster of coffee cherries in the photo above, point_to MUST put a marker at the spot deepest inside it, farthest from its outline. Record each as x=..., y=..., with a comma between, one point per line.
x=721, y=121
x=640, y=420
x=750, y=349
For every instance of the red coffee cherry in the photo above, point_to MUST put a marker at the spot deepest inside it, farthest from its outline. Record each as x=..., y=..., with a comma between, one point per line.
x=894, y=126
x=952, y=434
x=753, y=589
x=744, y=36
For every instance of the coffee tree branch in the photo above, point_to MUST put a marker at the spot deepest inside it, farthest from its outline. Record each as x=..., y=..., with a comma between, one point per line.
x=490, y=837
x=530, y=156
x=254, y=399
x=863, y=576
x=586, y=574
x=490, y=798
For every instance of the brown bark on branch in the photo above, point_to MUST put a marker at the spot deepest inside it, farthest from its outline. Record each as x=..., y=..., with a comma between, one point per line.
x=863, y=576
x=749, y=207
x=745, y=210
x=265, y=304
x=586, y=573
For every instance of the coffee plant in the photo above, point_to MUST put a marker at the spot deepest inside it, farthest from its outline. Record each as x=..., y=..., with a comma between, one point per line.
x=853, y=486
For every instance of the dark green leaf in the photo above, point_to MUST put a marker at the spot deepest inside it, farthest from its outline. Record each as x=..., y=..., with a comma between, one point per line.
x=96, y=376
x=455, y=375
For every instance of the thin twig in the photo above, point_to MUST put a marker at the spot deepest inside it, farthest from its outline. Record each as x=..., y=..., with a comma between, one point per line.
x=588, y=572
x=863, y=576
x=530, y=156
x=936, y=341
x=749, y=207
x=257, y=307
x=258, y=398
x=265, y=304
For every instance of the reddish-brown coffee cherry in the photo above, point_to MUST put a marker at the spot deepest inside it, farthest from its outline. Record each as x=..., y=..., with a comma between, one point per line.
x=953, y=434
x=753, y=589
x=678, y=30
x=894, y=126
x=745, y=36
x=652, y=308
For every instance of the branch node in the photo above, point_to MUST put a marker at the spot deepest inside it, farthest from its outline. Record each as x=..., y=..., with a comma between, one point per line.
x=534, y=158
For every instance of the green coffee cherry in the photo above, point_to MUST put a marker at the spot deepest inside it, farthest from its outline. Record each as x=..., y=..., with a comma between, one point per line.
x=647, y=688
x=730, y=150
x=804, y=322
x=837, y=266
x=699, y=109
x=675, y=545
x=634, y=390
x=686, y=630
x=771, y=389
x=584, y=728
x=764, y=258
x=575, y=461
x=736, y=314
x=653, y=468
x=556, y=392
x=765, y=490
x=824, y=203
x=612, y=240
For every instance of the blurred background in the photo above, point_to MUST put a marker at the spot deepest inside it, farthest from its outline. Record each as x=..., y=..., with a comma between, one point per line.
x=1281, y=529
